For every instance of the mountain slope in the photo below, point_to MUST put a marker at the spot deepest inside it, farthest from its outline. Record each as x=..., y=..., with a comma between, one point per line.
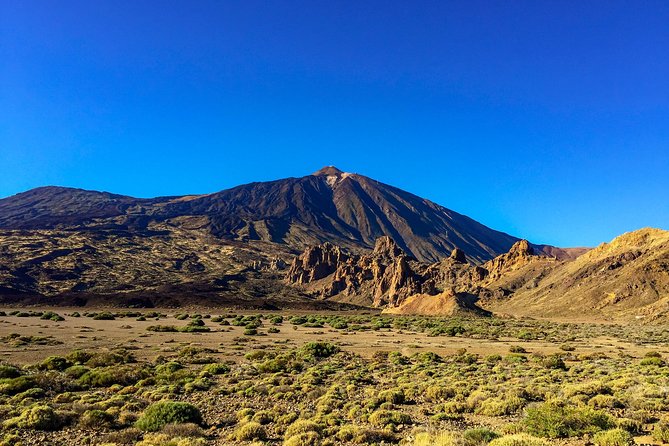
x=628, y=277
x=347, y=209
x=350, y=210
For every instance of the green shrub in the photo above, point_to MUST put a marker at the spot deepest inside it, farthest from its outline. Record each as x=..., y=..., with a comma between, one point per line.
x=382, y=418
x=298, y=320
x=661, y=432
x=589, y=389
x=301, y=427
x=613, y=437
x=76, y=371
x=436, y=439
x=34, y=394
x=604, y=402
x=305, y=439
x=429, y=358
x=79, y=356
x=392, y=396
x=7, y=371
x=162, y=328
x=652, y=361
x=478, y=436
x=54, y=363
x=526, y=335
x=553, y=362
x=497, y=407
x=262, y=417
x=397, y=358
x=518, y=440
x=50, y=315
x=365, y=436
x=36, y=417
x=250, y=431
x=96, y=419
x=104, y=359
x=12, y=386
x=169, y=368
x=159, y=414
x=190, y=328
x=108, y=376
x=318, y=350
x=216, y=369
x=162, y=439
x=197, y=322
x=553, y=420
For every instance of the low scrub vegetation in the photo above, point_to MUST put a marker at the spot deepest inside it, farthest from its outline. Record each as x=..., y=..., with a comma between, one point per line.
x=281, y=392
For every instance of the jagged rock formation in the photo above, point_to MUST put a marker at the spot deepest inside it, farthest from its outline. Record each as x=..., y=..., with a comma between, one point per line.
x=385, y=277
x=628, y=277
x=520, y=254
x=458, y=256
x=384, y=274
x=316, y=262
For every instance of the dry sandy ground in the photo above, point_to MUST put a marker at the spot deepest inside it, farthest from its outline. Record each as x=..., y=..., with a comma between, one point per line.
x=86, y=333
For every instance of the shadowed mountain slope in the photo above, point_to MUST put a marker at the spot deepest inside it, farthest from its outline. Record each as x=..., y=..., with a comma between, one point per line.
x=350, y=210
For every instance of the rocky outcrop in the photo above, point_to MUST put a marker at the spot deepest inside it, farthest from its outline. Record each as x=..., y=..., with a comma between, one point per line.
x=387, y=248
x=447, y=303
x=520, y=254
x=458, y=255
x=388, y=278
x=316, y=263
x=272, y=264
x=397, y=283
x=384, y=278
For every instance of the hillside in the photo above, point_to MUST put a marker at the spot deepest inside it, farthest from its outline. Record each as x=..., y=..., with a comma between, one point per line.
x=350, y=210
x=628, y=277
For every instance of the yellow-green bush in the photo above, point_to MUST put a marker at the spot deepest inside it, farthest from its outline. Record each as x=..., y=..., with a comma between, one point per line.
x=518, y=440
x=250, y=431
x=39, y=417
x=613, y=437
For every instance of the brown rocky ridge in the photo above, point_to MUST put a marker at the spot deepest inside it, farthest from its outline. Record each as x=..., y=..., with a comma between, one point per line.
x=625, y=279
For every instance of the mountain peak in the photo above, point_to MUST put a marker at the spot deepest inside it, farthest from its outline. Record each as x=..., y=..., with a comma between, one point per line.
x=328, y=171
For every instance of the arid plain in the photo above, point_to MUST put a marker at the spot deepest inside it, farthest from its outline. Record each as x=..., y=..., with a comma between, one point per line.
x=300, y=378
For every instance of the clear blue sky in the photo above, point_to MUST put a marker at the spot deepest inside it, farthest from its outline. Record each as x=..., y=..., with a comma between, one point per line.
x=545, y=119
